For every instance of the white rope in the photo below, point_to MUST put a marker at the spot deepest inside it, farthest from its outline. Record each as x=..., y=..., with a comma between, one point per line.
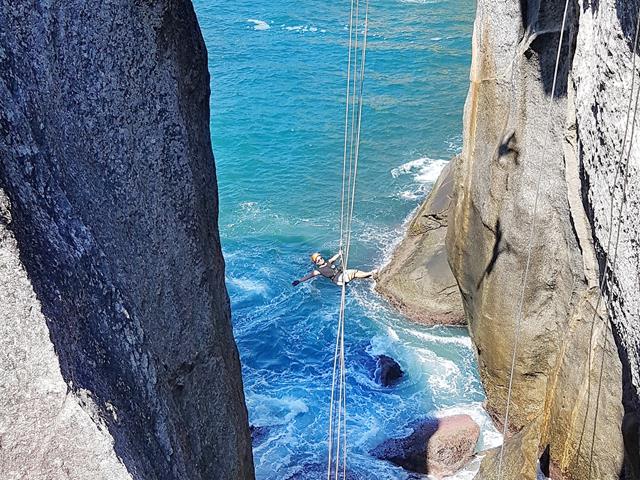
x=603, y=276
x=359, y=125
x=342, y=224
x=530, y=246
x=352, y=132
x=352, y=105
x=346, y=127
x=333, y=388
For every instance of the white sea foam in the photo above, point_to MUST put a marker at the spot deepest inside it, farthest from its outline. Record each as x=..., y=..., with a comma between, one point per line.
x=303, y=28
x=424, y=169
x=379, y=345
x=410, y=194
x=259, y=24
x=249, y=285
x=248, y=205
x=267, y=410
x=430, y=337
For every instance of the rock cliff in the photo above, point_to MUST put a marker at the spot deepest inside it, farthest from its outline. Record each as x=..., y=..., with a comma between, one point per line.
x=573, y=370
x=117, y=356
x=577, y=371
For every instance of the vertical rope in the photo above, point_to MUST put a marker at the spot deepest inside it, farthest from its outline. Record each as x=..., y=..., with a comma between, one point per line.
x=333, y=385
x=352, y=136
x=346, y=127
x=603, y=275
x=530, y=246
x=359, y=125
x=352, y=101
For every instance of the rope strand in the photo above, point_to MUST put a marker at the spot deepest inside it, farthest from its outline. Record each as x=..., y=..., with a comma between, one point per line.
x=530, y=245
x=352, y=134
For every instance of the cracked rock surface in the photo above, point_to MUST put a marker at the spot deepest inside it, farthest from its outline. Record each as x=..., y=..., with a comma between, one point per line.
x=418, y=279
x=117, y=358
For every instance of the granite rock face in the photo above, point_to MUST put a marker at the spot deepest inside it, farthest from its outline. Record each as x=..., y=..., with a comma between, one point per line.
x=418, y=279
x=118, y=359
x=575, y=375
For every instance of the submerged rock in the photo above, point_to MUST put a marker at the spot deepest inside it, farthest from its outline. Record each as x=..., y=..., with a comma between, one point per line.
x=388, y=371
x=437, y=447
x=258, y=434
x=418, y=279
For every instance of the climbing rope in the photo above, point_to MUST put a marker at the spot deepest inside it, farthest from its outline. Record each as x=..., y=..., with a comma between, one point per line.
x=346, y=126
x=532, y=233
x=337, y=456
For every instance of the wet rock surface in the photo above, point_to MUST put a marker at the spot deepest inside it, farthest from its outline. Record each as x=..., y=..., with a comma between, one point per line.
x=115, y=316
x=418, y=279
x=388, y=372
x=437, y=447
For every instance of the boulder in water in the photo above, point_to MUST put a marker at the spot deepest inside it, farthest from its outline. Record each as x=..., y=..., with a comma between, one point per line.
x=437, y=446
x=388, y=371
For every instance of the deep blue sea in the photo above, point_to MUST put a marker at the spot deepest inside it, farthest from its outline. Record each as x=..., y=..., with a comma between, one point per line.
x=278, y=75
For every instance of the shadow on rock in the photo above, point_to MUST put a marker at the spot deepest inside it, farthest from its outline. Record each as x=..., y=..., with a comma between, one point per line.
x=438, y=446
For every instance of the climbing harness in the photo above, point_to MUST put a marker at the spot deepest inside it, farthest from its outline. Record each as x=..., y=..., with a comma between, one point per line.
x=329, y=271
x=337, y=455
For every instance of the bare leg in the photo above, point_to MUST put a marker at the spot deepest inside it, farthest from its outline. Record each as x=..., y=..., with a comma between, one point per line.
x=361, y=274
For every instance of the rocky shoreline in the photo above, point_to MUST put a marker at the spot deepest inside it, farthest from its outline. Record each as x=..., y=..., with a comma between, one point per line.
x=418, y=279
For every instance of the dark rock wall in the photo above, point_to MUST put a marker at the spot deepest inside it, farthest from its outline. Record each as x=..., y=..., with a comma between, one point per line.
x=106, y=164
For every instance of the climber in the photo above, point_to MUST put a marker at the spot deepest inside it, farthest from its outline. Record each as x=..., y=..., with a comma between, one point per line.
x=328, y=269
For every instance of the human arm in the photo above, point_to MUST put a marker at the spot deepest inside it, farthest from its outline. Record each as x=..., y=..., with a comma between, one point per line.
x=332, y=260
x=308, y=276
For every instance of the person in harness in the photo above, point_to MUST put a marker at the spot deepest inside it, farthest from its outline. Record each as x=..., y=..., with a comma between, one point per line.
x=328, y=269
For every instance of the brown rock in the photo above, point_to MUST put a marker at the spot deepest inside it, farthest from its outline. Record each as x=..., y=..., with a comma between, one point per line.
x=568, y=381
x=418, y=279
x=438, y=446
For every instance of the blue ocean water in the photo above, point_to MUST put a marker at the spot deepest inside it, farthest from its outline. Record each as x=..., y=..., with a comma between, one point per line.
x=278, y=73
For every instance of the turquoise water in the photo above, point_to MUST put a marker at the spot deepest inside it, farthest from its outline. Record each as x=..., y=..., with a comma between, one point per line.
x=278, y=80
